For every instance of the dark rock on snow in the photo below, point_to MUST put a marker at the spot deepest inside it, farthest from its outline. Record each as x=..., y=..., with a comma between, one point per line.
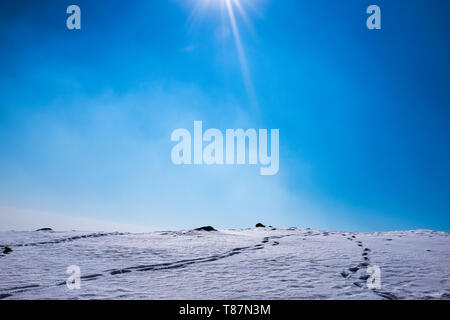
x=7, y=250
x=45, y=229
x=260, y=225
x=207, y=228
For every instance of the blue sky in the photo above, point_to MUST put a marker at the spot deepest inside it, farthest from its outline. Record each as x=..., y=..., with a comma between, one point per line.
x=86, y=115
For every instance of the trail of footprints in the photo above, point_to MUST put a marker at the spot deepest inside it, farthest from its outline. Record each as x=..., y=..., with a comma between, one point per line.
x=56, y=241
x=363, y=276
x=151, y=267
x=270, y=240
x=70, y=239
x=186, y=262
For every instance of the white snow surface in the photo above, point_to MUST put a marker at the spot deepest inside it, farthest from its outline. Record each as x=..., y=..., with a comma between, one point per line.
x=259, y=263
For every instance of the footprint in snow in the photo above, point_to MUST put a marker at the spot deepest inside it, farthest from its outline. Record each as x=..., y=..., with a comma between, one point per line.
x=354, y=269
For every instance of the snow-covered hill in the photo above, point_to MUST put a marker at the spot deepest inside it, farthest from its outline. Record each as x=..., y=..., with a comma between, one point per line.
x=260, y=263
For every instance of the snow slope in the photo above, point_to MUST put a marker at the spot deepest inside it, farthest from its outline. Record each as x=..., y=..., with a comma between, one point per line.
x=260, y=263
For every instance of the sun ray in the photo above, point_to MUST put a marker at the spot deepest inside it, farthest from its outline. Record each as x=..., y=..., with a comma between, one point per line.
x=241, y=53
x=228, y=9
x=243, y=14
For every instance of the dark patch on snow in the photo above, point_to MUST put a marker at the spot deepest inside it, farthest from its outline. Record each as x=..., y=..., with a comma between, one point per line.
x=7, y=250
x=91, y=276
x=45, y=229
x=206, y=228
x=120, y=271
x=386, y=295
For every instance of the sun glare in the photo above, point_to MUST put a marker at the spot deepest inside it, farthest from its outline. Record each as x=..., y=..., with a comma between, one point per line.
x=231, y=8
